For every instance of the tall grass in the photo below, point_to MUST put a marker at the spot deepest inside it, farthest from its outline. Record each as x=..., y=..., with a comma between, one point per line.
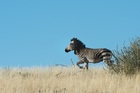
x=128, y=59
x=65, y=80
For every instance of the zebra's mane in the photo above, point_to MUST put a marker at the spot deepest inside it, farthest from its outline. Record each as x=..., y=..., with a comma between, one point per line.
x=78, y=45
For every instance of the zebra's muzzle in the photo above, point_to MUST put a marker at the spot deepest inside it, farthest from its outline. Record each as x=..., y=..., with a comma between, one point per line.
x=66, y=50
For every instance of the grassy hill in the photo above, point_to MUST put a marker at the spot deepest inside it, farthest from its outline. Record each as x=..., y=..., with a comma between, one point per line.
x=65, y=80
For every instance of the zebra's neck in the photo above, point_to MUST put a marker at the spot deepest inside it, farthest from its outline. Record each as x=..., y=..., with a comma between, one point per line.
x=78, y=52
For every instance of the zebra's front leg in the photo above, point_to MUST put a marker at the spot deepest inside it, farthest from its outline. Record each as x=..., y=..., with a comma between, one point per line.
x=78, y=64
x=86, y=65
x=83, y=61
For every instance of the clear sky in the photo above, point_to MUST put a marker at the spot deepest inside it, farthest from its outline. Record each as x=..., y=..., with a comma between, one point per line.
x=36, y=32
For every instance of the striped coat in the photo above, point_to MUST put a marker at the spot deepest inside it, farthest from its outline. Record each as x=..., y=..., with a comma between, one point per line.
x=89, y=55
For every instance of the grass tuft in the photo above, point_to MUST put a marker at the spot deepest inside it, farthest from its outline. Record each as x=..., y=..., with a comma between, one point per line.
x=128, y=59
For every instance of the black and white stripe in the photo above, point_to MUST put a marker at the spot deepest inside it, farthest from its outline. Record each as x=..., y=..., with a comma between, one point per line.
x=103, y=54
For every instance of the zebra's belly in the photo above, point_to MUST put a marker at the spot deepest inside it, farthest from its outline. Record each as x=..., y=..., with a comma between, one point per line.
x=94, y=60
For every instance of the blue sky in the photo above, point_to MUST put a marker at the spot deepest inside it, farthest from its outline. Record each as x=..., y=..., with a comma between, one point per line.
x=36, y=32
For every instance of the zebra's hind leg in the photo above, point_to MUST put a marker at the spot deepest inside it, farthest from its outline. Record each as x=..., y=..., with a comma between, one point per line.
x=109, y=62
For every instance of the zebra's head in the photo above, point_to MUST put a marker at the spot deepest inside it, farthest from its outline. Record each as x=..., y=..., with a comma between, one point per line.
x=71, y=46
x=75, y=45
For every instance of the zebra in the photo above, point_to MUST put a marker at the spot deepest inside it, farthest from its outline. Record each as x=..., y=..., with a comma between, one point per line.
x=89, y=55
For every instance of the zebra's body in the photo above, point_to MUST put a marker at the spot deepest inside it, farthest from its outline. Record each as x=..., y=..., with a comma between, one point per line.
x=89, y=55
x=95, y=55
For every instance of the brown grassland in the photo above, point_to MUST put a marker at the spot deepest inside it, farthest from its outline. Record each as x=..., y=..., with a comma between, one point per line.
x=65, y=80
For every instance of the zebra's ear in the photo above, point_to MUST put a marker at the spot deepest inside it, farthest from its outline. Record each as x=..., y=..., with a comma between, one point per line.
x=73, y=39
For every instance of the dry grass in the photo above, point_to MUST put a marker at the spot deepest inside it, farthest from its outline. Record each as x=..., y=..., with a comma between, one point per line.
x=65, y=80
